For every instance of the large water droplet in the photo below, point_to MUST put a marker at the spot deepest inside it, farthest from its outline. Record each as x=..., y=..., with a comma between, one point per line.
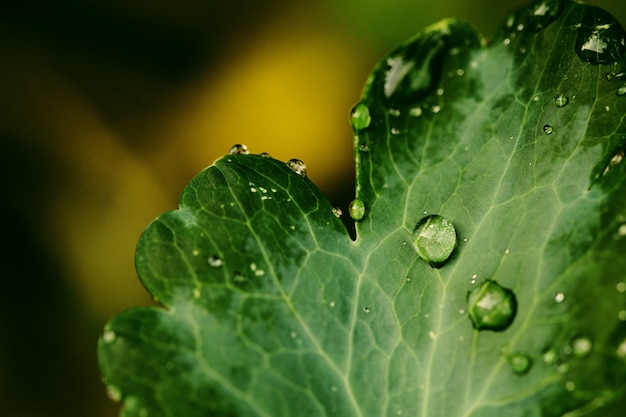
x=600, y=38
x=238, y=149
x=520, y=363
x=435, y=239
x=356, y=209
x=360, y=117
x=297, y=166
x=491, y=306
x=561, y=100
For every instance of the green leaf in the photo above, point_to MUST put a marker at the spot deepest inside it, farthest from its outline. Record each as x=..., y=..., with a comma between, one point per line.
x=272, y=310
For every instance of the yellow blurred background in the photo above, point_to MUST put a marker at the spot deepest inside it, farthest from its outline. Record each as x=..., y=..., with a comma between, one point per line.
x=108, y=108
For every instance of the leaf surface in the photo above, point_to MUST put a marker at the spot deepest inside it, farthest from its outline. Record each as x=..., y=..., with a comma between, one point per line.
x=272, y=310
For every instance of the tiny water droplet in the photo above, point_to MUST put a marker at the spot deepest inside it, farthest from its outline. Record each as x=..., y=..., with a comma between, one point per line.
x=215, y=261
x=570, y=386
x=581, y=346
x=415, y=112
x=520, y=27
x=195, y=252
x=367, y=310
x=435, y=239
x=360, y=117
x=520, y=363
x=114, y=393
x=621, y=91
x=491, y=306
x=622, y=315
x=561, y=100
x=621, y=287
x=435, y=109
x=395, y=131
x=265, y=155
x=108, y=336
x=548, y=129
x=238, y=150
x=356, y=209
x=331, y=304
x=620, y=352
x=394, y=112
x=238, y=277
x=550, y=356
x=559, y=297
x=337, y=212
x=506, y=41
x=196, y=293
x=363, y=147
x=297, y=166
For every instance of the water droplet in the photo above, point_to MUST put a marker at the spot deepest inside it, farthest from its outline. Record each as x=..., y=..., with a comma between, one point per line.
x=621, y=350
x=622, y=315
x=238, y=150
x=114, y=393
x=520, y=363
x=215, y=261
x=581, y=346
x=360, y=117
x=297, y=166
x=238, y=277
x=195, y=252
x=550, y=356
x=520, y=27
x=561, y=100
x=621, y=91
x=363, y=147
x=265, y=155
x=432, y=335
x=435, y=109
x=395, y=131
x=356, y=209
x=570, y=386
x=491, y=306
x=337, y=212
x=108, y=336
x=394, y=112
x=331, y=304
x=435, y=239
x=621, y=286
x=559, y=297
x=600, y=38
x=415, y=112
x=548, y=129
x=367, y=310
x=506, y=41
x=545, y=13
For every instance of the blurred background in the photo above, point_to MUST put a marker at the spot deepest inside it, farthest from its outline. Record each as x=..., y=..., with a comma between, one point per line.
x=107, y=110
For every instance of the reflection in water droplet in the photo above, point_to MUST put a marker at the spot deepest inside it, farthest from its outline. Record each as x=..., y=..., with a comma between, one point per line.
x=360, y=116
x=548, y=129
x=356, y=209
x=559, y=297
x=491, y=306
x=520, y=363
x=545, y=13
x=238, y=149
x=435, y=239
x=581, y=346
x=367, y=310
x=215, y=261
x=561, y=100
x=297, y=166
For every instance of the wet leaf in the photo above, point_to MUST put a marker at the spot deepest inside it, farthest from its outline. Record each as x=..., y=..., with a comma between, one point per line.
x=272, y=310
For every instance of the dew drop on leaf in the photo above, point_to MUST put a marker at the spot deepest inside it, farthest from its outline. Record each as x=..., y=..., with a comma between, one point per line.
x=265, y=155
x=435, y=239
x=356, y=208
x=561, y=100
x=548, y=129
x=559, y=297
x=238, y=150
x=215, y=261
x=491, y=306
x=297, y=166
x=600, y=38
x=360, y=117
x=545, y=13
x=621, y=91
x=549, y=356
x=337, y=212
x=581, y=346
x=520, y=363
